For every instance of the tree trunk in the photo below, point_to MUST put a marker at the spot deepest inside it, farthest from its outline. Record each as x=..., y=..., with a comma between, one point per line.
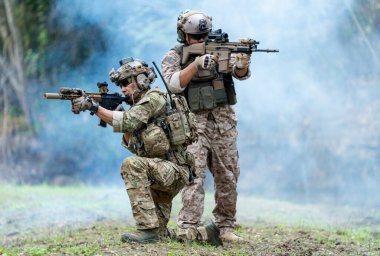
x=14, y=115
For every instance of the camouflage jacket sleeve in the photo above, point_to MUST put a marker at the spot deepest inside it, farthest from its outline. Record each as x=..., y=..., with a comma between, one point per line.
x=151, y=105
x=171, y=68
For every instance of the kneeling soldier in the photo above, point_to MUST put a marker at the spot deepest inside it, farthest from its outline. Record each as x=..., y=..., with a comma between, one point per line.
x=160, y=169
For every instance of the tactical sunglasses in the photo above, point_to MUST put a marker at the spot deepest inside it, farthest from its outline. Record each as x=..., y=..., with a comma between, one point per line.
x=125, y=82
x=198, y=36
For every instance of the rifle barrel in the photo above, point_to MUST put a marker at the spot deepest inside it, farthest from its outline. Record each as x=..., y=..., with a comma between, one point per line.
x=266, y=50
x=53, y=96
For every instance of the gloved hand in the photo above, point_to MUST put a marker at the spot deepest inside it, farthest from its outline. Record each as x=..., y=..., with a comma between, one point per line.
x=242, y=60
x=207, y=61
x=82, y=103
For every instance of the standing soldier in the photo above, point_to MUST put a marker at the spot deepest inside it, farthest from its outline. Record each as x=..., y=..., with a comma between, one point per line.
x=216, y=147
x=160, y=169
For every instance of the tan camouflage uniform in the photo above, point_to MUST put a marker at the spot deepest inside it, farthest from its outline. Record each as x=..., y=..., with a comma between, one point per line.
x=152, y=182
x=216, y=149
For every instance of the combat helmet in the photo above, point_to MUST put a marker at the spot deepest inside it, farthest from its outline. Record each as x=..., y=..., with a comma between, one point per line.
x=192, y=22
x=133, y=71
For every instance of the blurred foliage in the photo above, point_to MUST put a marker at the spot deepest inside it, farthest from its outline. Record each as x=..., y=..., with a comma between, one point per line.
x=365, y=15
x=359, y=34
x=50, y=45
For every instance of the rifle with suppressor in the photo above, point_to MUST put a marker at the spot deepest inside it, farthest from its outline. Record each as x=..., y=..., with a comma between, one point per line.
x=110, y=101
x=218, y=45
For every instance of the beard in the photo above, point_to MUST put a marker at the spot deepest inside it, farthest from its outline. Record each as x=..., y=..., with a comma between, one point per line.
x=135, y=97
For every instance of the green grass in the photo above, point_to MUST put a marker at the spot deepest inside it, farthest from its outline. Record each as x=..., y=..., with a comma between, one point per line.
x=44, y=220
x=104, y=239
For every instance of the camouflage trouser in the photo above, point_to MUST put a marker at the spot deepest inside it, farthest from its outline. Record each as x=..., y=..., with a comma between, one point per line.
x=151, y=184
x=219, y=152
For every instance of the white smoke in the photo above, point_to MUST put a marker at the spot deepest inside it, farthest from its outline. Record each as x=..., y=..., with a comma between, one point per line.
x=301, y=117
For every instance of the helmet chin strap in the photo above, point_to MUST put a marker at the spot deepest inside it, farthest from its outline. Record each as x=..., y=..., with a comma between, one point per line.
x=135, y=91
x=136, y=95
x=133, y=96
x=187, y=38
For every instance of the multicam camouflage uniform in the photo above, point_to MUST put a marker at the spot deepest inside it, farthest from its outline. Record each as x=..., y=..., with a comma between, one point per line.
x=152, y=181
x=217, y=149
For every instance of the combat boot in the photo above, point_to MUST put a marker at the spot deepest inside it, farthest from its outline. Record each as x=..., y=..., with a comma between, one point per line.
x=231, y=237
x=213, y=233
x=142, y=236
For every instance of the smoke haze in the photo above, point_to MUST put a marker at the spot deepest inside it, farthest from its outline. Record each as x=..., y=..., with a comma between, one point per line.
x=308, y=116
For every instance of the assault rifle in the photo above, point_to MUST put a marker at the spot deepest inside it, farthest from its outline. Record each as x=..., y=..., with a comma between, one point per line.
x=110, y=101
x=218, y=44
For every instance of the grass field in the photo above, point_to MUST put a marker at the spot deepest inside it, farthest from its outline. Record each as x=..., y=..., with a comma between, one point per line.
x=82, y=220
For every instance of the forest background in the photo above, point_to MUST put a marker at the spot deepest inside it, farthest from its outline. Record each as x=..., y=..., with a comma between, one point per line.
x=309, y=126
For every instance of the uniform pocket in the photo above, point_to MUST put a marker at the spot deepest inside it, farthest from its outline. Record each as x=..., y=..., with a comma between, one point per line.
x=156, y=143
x=144, y=213
x=194, y=98
x=207, y=97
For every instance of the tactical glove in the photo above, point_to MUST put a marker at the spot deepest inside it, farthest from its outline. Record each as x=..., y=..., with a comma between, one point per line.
x=82, y=103
x=242, y=60
x=207, y=61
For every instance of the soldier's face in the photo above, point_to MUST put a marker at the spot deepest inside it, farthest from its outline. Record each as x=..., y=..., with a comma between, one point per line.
x=128, y=89
x=197, y=38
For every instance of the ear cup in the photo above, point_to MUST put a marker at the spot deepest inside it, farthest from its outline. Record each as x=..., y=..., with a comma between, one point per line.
x=181, y=36
x=142, y=81
x=152, y=76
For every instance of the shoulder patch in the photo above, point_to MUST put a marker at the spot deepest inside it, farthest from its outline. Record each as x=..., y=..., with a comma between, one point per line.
x=169, y=59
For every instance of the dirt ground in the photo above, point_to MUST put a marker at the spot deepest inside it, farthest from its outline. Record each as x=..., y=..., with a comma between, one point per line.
x=84, y=220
